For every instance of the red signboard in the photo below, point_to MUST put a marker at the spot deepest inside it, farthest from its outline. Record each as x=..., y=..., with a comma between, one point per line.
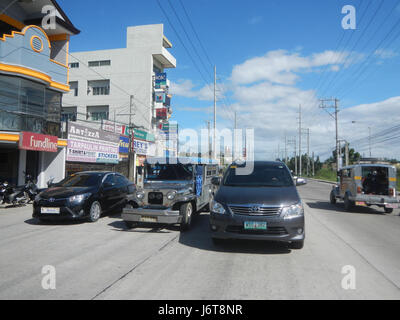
x=37, y=142
x=161, y=113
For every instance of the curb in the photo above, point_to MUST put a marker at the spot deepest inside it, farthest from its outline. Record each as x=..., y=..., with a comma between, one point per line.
x=323, y=181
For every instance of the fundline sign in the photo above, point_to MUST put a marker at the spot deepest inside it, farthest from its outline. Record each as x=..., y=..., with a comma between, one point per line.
x=37, y=142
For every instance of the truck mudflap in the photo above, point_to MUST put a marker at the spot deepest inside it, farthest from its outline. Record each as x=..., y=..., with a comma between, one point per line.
x=162, y=216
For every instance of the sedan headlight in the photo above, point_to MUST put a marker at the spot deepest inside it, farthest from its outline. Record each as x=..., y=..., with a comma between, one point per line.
x=79, y=197
x=293, y=211
x=140, y=195
x=216, y=207
x=171, y=195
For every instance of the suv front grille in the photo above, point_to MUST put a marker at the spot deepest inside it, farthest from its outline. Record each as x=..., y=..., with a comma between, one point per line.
x=270, y=230
x=155, y=198
x=251, y=210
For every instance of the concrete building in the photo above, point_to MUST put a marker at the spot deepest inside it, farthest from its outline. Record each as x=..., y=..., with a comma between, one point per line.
x=108, y=85
x=102, y=81
x=34, y=44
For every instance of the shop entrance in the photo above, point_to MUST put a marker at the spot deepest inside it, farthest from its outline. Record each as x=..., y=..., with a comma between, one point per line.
x=9, y=165
x=32, y=164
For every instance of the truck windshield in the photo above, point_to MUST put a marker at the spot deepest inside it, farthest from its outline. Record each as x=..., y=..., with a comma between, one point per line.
x=262, y=176
x=169, y=172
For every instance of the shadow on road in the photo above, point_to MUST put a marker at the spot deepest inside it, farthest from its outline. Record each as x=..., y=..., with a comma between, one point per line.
x=339, y=207
x=37, y=222
x=143, y=228
x=200, y=237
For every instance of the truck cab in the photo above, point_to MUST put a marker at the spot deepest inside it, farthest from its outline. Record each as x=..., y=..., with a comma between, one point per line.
x=366, y=185
x=172, y=192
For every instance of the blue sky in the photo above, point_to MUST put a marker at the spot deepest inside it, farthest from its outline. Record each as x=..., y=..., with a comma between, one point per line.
x=271, y=56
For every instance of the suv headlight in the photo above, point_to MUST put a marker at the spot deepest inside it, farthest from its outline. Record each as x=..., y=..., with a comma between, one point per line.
x=79, y=197
x=217, y=207
x=293, y=211
x=171, y=195
x=140, y=194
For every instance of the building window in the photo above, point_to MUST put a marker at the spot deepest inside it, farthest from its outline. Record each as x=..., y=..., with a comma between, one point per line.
x=74, y=65
x=97, y=113
x=73, y=85
x=69, y=114
x=99, y=87
x=101, y=63
x=29, y=106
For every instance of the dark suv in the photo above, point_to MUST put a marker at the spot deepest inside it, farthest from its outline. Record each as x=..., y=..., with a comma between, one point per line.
x=263, y=205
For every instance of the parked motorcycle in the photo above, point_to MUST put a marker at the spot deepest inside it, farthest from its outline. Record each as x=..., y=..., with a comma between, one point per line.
x=30, y=188
x=12, y=195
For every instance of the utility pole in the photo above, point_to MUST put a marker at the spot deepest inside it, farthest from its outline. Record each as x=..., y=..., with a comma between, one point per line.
x=347, y=153
x=369, y=139
x=308, y=150
x=285, y=150
x=209, y=139
x=300, y=170
x=215, y=111
x=335, y=116
x=294, y=143
x=313, y=166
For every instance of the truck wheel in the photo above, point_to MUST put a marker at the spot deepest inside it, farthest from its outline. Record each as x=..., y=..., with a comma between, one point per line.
x=348, y=204
x=186, y=211
x=332, y=198
x=388, y=210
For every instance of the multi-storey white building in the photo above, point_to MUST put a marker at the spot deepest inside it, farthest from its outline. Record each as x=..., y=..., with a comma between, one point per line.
x=102, y=81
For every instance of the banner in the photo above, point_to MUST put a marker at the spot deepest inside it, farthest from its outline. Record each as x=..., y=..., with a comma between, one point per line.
x=91, y=145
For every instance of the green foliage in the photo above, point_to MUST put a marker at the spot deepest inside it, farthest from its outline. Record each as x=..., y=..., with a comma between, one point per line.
x=326, y=174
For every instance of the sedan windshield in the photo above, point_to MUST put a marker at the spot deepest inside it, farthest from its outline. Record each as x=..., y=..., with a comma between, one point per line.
x=81, y=180
x=262, y=176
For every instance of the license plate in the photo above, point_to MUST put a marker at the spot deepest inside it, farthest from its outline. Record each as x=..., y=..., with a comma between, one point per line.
x=392, y=205
x=50, y=210
x=255, y=225
x=148, y=219
x=360, y=203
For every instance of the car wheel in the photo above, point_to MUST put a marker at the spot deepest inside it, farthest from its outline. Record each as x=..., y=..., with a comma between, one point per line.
x=297, y=244
x=186, y=211
x=388, y=210
x=95, y=211
x=348, y=204
x=332, y=198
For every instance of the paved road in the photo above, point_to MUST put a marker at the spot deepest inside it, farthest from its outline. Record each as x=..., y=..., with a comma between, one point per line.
x=105, y=261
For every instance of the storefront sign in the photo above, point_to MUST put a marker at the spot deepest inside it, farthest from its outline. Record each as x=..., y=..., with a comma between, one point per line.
x=161, y=113
x=160, y=80
x=123, y=144
x=91, y=145
x=159, y=97
x=114, y=127
x=143, y=135
x=38, y=142
x=144, y=148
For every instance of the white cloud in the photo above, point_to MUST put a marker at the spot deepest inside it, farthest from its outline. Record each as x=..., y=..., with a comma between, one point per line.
x=281, y=67
x=186, y=88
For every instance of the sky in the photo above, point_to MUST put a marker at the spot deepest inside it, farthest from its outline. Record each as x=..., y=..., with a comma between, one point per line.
x=271, y=57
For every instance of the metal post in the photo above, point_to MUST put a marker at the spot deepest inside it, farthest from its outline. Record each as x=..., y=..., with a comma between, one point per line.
x=215, y=112
x=300, y=169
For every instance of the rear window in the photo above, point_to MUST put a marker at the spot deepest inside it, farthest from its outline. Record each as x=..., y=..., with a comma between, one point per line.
x=262, y=176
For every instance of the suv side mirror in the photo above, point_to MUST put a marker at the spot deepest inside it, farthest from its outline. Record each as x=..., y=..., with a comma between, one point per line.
x=216, y=181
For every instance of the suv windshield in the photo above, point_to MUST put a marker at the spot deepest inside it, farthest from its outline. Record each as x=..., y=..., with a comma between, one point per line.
x=262, y=176
x=81, y=180
x=169, y=172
